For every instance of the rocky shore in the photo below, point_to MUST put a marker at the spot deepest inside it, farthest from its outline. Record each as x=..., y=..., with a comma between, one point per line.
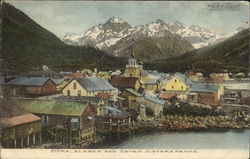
x=178, y=123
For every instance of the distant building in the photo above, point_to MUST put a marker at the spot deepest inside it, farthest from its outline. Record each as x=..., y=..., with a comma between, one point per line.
x=90, y=86
x=31, y=86
x=151, y=85
x=131, y=96
x=205, y=94
x=178, y=82
x=153, y=103
x=75, y=75
x=59, y=117
x=214, y=81
x=123, y=83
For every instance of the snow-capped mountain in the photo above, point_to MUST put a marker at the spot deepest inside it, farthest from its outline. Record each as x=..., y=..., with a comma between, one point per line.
x=102, y=35
x=117, y=32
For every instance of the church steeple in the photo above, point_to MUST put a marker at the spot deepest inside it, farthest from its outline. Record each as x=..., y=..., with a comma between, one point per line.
x=132, y=51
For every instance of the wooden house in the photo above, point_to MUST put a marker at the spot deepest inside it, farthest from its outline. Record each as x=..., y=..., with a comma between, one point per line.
x=214, y=81
x=123, y=83
x=205, y=94
x=151, y=85
x=130, y=97
x=95, y=102
x=178, y=82
x=90, y=86
x=62, y=120
x=31, y=86
x=18, y=128
x=154, y=104
x=20, y=131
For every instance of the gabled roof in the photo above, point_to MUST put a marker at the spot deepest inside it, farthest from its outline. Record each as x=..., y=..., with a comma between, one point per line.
x=18, y=120
x=120, y=81
x=133, y=92
x=95, y=84
x=184, y=78
x=29, y=81
x=54, y=107
x=155, y=100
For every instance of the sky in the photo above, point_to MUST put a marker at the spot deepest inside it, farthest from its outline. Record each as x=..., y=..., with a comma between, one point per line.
x=61, y=17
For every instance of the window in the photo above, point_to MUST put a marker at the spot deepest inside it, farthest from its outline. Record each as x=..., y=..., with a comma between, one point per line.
x=68, y=92
x=175, y=81
x=181, y=87
x=45, y=118
x=172, y=87
x=74, y=85
x=130, y=74
x=79, y=93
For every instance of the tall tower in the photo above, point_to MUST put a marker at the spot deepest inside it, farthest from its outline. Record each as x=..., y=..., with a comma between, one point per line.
x=133, y=69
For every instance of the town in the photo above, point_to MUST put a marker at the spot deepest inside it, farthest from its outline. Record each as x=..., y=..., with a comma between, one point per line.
x=77, y=109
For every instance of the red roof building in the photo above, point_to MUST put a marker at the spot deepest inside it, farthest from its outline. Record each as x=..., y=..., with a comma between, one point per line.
x=167, y=96
x=122, y=83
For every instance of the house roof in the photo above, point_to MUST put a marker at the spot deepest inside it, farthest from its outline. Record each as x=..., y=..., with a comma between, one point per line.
x=184, y=78
x=29, y=81
x=58, y=81
x=18, y=120
x=86, y=99
x=95, y=84
x=155, y=100
x=133, y=92
x=55, y=107
x=204, y=87
x=167, y=95
x=120, y=81
x=114, y=111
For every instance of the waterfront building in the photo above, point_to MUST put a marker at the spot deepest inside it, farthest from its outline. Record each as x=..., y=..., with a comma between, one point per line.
x=89, y=86
x=62, y=120
x=18, y=128
x=95, y=102
x=31, y=86
x=154, y=104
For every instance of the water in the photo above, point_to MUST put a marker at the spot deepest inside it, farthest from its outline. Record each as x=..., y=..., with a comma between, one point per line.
x=232, y=139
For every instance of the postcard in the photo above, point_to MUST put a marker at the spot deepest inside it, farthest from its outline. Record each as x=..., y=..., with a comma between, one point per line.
x=124, y=79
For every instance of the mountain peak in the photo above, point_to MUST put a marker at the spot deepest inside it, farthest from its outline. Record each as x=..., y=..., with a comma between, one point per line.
x=116, y=20
x=160, y=21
